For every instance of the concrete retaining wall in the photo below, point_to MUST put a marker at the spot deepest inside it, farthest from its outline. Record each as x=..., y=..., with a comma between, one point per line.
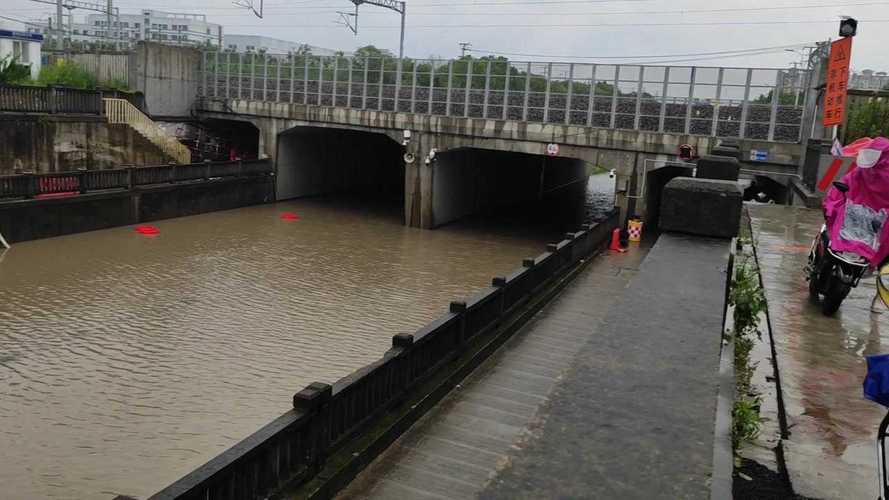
x=34, y=219
x=44, y=144
x=168, y=75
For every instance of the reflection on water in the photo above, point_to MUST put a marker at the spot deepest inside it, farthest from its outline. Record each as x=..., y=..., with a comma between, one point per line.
x=128, y=360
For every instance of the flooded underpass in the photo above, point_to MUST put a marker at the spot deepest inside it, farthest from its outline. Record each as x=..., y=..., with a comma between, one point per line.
x=830, y=450
x=128, y=360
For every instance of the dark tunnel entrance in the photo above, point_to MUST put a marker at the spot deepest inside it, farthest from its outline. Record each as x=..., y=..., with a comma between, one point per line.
x=552, y=194
x=317, y=161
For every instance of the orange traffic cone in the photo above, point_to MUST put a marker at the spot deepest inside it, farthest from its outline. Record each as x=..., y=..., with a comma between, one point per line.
x=615, y=241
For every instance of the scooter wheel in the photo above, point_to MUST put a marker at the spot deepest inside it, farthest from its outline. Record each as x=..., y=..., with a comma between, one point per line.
x=833, y=298
x=813, y=286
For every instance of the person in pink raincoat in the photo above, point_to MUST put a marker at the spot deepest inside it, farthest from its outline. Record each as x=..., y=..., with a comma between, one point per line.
x=857, y=221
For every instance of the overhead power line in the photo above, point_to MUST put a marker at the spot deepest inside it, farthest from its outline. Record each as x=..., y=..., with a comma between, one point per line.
x=563, y=26
x=642, y=13
x=646, y=56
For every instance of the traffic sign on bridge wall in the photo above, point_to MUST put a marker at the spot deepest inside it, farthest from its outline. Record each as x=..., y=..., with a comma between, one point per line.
x=837, y=81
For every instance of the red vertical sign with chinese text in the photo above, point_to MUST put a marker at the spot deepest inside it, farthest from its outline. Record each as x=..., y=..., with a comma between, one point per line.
x=837, y=81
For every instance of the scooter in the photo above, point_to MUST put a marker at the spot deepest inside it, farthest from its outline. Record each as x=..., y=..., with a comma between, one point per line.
x=831, y=273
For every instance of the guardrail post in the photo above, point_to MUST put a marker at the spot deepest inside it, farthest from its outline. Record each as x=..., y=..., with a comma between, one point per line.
x=570, y=94
x=716, y=103
x=487, y=89
x=207, y=170
x=776, y=95
x=450, y=83
x=639, y=88
x=240, y=168
x=527, y=92
x=53, y=105
x=592, y=98
x=666, y=89
x=549, y=81
x=468, y=88
x=459, y=307
x=33, y=186
x=172, y=172
x=313, y=400
x=81, y=180
x=129, y=178
x=691, y=100
x=506, y=92
x=614, y=93
x=745, y=106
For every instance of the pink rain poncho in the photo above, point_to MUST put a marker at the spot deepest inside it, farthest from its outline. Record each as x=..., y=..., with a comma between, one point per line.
x=857, y=221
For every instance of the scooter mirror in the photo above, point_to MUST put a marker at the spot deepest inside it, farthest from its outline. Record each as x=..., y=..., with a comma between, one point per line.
x=841, y=186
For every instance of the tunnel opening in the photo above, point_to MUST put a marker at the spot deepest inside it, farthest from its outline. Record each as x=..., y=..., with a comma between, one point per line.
x=220, y=140
x=347, y=165
x=523, y=191
x=764, y=189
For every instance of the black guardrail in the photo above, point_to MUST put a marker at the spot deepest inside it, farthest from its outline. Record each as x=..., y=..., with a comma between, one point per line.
x=52, y=100
x=291, y=449
x=84, y=181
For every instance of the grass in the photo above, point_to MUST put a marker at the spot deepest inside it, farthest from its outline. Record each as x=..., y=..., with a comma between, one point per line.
x=748, y=300
x=66, y=74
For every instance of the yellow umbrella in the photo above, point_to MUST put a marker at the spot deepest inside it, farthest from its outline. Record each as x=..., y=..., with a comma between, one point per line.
x=882, y=290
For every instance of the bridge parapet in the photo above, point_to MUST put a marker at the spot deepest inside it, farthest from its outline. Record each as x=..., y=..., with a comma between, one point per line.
x=744, y=103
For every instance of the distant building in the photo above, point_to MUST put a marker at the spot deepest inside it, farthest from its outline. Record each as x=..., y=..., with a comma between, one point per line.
x=869, y=79
x=22, y=46
x=152, y=25
x=259, y=43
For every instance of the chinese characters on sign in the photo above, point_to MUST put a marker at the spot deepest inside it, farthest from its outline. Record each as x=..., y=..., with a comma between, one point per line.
x=837, y=81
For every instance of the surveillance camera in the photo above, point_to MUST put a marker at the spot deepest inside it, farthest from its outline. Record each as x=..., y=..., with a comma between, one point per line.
x=407, y=135
x=432, y=153
x=612, y=173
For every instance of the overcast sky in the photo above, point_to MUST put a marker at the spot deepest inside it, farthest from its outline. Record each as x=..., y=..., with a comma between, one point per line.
x=548, y=29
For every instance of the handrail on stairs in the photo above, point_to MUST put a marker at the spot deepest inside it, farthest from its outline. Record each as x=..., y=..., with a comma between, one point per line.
x=121, y=111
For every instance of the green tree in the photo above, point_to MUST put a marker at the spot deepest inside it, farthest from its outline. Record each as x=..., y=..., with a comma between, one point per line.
x=867, y=118
x=12, y=73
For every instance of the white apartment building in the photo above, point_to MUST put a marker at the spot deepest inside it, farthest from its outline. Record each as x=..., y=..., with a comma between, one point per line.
x=152, y=25
x=869, y=79
x=24, y=47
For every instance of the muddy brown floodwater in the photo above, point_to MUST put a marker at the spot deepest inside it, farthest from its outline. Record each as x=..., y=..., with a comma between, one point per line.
x=128, y=360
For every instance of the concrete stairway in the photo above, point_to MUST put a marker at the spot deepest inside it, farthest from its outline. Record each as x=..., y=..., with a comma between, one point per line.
x=121, y=111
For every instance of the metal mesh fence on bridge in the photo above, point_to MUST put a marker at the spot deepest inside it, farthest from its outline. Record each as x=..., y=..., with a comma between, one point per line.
x=764, y=104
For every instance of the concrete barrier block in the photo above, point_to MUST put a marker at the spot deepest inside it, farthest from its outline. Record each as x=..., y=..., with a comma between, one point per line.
x=718, y=167
x=706, y=207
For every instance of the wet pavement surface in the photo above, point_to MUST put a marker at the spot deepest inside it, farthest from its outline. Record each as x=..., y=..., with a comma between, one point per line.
x=609, y=393
x=460, y=445
x=830, y=451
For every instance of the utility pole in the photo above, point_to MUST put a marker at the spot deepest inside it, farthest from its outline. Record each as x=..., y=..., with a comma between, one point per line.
x=464, y=48
x=108, y=20
x=60, y=30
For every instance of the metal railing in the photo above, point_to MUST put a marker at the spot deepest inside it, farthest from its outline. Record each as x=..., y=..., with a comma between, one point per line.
x=290, y=450
x=754, y=103
x=121, y=111
x=52, y=100
x=84, y=181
